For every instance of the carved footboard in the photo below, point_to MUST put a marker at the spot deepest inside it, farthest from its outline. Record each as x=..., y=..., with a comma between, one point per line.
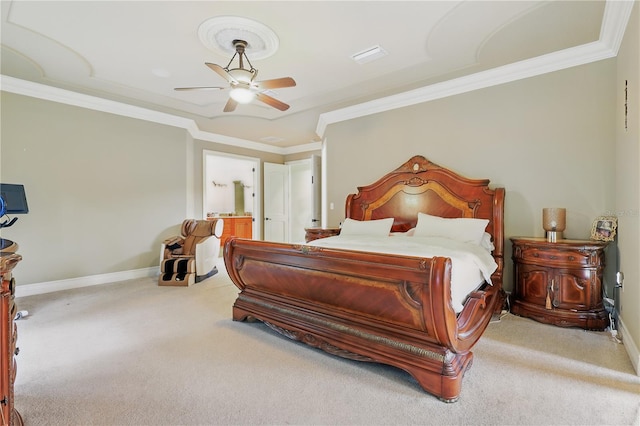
x=372, y=307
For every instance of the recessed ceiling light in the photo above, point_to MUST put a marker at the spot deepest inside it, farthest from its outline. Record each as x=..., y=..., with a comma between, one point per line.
x=369, y=55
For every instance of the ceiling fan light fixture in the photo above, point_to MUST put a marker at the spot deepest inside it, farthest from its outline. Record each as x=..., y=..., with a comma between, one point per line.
x=242, y=75
x=241, y=80
x=242, y=95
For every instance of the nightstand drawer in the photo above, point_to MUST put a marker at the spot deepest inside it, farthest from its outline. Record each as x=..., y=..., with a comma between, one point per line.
x=554, y=255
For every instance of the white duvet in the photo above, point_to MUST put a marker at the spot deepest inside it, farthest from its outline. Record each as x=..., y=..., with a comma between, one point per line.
x=472, y=264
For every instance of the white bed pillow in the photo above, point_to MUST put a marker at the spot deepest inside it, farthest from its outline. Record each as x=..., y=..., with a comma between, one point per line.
x=486, y=242
x=373, y=228
x=459, y=229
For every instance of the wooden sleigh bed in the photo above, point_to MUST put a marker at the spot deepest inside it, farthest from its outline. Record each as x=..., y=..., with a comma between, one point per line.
x=386, y=308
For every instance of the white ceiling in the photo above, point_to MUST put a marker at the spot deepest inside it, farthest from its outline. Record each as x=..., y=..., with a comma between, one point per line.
x=138, y=52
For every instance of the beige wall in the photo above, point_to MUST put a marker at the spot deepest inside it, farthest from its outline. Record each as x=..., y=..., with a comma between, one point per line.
x=103, y=190
x=549, y=140
x=552, y=140
x=301, y=155
x=628, y=179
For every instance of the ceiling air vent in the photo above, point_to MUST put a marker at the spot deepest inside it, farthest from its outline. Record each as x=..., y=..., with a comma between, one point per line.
x=368, y=55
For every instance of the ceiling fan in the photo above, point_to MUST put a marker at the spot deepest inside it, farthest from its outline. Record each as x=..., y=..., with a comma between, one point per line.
x=242, y=82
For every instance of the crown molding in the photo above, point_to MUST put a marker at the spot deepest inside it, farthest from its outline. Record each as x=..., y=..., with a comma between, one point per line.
x=68, y=97
x=243, y=143
x=614, y=22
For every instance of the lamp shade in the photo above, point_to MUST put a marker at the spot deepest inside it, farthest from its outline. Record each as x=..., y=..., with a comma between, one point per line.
x=242, y=95
x=554, y=219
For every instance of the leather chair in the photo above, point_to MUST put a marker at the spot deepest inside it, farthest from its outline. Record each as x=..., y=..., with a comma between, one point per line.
x=192, y=256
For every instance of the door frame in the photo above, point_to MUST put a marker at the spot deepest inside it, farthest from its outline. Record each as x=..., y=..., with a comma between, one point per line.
x=257, y=187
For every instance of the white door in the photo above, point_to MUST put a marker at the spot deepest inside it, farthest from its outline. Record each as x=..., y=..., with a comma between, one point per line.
x=300, y=199
x=316, y=194
x=276, y=202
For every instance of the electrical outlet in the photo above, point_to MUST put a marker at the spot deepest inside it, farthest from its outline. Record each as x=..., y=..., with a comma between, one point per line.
x=619, y=279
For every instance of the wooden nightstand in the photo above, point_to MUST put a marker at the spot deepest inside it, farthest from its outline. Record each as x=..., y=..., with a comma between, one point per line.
x=317, y=233
x=559, y=283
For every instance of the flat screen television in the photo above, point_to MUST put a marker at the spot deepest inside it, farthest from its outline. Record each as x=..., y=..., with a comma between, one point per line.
x=14, y=197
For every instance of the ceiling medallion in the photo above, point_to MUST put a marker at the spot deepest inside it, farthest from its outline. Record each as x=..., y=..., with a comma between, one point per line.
x=218, y=34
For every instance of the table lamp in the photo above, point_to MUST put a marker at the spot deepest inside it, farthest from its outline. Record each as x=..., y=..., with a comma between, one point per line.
x=554, y=221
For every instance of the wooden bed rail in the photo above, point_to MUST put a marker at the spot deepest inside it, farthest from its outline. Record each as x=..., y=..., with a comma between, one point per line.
x=365, y=306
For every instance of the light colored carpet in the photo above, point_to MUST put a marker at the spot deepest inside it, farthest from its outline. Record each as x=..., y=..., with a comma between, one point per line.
x=133, y=353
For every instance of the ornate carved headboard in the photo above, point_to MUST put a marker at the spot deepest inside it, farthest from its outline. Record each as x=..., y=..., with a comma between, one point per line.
x=422, y=186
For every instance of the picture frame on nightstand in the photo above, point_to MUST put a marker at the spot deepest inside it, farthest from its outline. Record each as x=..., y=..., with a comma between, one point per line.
x=604, y=228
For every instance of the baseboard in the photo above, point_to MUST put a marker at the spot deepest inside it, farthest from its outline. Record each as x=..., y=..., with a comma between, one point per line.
x=630, y=346
x=51, y=286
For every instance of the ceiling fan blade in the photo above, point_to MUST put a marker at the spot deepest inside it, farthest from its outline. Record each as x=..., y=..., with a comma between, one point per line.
x=272, y=101
x=231, y=105
x=276, y=83
x=221, y=71
x=181, y=89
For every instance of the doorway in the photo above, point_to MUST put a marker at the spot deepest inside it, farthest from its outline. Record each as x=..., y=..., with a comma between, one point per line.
x=231, y=187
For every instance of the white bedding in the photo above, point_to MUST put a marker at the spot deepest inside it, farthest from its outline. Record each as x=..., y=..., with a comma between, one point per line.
x=472, y=264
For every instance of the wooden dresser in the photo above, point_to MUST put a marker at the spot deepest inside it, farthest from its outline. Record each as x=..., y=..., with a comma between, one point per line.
x=8, y=260
x=559, y=283
x=236, y=226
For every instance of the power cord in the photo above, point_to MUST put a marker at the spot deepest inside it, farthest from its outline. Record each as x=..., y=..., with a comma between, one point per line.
x=613, y=330
x=503, y=312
